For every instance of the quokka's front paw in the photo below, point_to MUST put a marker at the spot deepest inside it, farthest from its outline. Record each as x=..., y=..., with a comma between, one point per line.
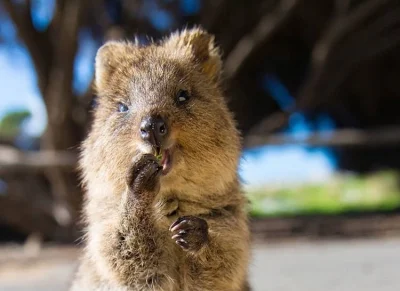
x=190, y=232
x=144, y=175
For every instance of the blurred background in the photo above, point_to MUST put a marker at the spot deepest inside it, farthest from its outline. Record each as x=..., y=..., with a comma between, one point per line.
x=315, y=88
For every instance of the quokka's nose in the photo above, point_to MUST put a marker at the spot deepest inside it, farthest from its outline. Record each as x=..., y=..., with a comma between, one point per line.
x=153, y=129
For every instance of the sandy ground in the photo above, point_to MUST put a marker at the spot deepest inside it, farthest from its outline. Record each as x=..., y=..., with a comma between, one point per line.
x=366, y=265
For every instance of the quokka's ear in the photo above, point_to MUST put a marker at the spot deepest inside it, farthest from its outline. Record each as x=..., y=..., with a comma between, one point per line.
x=199, y=45
x=108, y=58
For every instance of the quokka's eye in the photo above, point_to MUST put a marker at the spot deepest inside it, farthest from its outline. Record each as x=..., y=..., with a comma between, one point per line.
x=122, y=107
x=182, y=97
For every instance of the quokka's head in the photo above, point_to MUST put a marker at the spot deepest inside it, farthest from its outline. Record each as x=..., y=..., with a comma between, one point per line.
x=165, y=99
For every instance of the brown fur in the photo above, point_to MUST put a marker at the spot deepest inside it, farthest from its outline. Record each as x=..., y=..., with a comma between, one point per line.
x=129, y=246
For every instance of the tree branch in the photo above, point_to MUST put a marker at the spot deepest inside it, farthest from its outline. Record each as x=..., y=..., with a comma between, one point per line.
x=271, y=123
x=262, y=32
x=344, y=46
x=12, y=159
x=342, y=7
x=58, y=96
x=338, y=138
x=35, y=41
x=213, y=13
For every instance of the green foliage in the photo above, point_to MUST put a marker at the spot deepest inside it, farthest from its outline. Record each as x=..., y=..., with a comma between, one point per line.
x=10, y=124
x=379, y=191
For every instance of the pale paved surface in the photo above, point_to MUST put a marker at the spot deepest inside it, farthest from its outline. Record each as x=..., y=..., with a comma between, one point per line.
x=329, y=266
x=368, y=265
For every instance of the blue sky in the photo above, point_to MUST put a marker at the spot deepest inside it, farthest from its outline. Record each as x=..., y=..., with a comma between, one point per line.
x=18, y=89
x=284, y=165
x=265, y=165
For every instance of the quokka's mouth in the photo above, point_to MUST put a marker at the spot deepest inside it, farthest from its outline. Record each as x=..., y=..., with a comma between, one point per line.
x=164, y=157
